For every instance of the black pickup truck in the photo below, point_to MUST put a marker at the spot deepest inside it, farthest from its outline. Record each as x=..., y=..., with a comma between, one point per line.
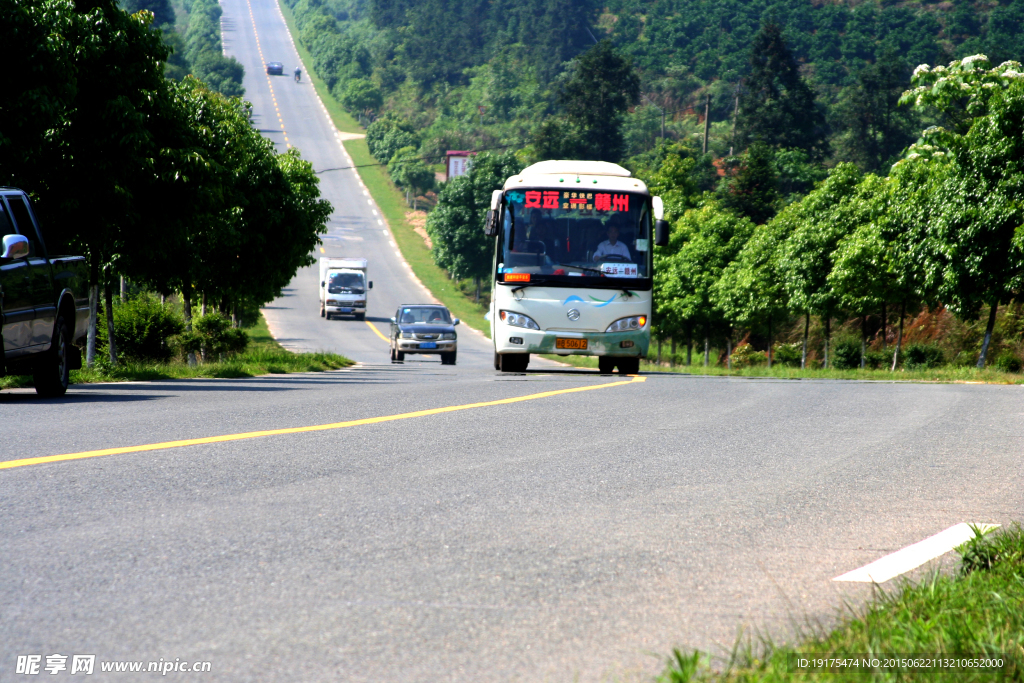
x=44, y=300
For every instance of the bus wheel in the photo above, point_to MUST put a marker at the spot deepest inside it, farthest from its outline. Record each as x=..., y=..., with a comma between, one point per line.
x=628, y=366
x=514, y=362
x=605, y=365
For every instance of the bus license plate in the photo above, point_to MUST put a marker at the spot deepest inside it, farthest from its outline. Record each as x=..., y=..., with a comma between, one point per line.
x=428, y=345
x=563, y=343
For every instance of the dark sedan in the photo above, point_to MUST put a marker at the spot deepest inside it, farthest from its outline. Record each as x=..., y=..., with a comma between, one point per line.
x=426, y=329
x=275, y=68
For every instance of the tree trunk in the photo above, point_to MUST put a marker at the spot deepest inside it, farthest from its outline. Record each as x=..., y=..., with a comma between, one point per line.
x=807, y=329
x=163, y=300
x=90, y=344
x=769, y=341
x=108, y=305
x=476, y=281
x=659, y=351
x=728, y=352
x=234, y=315
x=124, y=289
x=863, y=340
x=899, y=337
x=828, y=338
x=707, y=352
x=689, y=352
x=885, y=329
x=202, y=306
x=988, y=335
x=186, y=311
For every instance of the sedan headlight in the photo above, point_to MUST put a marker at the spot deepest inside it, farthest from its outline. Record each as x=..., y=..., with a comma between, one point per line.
x=406, y=335
x=518, y=320
x=635, y=322
x=448, y=335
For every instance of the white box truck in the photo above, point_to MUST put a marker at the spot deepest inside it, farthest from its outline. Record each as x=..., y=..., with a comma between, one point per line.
x=343, y=287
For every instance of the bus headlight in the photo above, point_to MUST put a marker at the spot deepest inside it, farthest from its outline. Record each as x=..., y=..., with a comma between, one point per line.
x=636, y=322
x=518, y=320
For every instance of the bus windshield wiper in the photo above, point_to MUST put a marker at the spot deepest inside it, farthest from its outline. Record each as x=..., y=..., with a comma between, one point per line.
x=592, y=270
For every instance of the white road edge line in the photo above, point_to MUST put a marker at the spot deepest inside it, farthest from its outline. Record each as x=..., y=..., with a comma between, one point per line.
x=913, y=556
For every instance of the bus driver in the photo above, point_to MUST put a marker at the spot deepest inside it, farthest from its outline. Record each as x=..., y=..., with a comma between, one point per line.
x=611, y=246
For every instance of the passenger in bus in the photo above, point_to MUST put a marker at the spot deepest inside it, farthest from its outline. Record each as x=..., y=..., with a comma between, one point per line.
x=612, y=246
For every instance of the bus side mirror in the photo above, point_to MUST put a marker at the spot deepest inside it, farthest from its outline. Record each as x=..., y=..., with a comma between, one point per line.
x=371, y=284
x=491, y=223
x=661, y=233
x=321, y=283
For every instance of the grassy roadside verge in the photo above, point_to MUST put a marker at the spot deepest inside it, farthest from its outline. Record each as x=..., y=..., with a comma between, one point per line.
x=977, y=613
x=263, y=357
x=392, y=203
x=942, y=374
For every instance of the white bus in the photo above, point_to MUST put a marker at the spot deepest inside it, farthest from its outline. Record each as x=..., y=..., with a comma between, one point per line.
x=573, y=264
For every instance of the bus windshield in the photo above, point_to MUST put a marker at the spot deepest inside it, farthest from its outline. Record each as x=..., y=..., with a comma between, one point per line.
x=565, y=235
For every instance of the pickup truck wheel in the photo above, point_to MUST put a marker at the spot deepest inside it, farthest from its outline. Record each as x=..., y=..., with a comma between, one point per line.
x=52, y=375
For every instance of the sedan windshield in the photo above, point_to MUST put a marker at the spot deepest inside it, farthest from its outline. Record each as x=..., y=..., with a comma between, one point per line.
x=563, y=234
x=424, y=314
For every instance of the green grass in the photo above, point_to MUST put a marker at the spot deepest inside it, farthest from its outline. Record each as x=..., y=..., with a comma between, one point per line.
x=940, y=374
x=264, y=356
x=980, y=611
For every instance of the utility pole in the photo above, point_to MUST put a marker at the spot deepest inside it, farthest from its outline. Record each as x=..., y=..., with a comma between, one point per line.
x=707, y=119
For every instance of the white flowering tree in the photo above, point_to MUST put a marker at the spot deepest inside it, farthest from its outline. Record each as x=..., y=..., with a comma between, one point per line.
x=965, y=212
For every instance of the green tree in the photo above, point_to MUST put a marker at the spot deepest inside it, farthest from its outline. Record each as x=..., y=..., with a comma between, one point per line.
x=361, y=96
x=874, y=128
x=969, y=219
x=407, y=170
x=751, y=291
x=753, y=192
x=703, y=242
x=776, y=106
x=595, y=92
x=162, y=10
x=456, y=225
x=815, y=225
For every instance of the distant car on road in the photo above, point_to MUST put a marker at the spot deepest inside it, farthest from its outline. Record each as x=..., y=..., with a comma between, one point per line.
x=275, y=68
x=426, y=329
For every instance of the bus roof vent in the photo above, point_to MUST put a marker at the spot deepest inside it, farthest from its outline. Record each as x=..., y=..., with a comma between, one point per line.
x=568, y=167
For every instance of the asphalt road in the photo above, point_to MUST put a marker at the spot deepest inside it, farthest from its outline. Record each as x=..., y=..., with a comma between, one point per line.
x=565, y=536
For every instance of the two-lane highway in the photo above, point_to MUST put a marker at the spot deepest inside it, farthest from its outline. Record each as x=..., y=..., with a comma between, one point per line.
x=290, y=114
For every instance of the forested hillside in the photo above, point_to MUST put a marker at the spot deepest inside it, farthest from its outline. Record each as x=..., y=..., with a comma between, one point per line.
x=472, y=74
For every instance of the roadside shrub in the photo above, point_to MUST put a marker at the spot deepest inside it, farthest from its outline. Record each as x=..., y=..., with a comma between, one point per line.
x=212, y=334
x=877, y=360
x=143, y=328
x=744, y=356
x=922, y=356
x=985, y=551
x=1008, y=361
x=788, y=354
x=846, y=355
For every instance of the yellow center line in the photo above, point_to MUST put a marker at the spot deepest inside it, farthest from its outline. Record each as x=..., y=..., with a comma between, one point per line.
x=377, y=332
x=300, y=430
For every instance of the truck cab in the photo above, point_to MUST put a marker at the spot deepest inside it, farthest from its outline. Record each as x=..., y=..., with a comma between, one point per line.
x=44, y=305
